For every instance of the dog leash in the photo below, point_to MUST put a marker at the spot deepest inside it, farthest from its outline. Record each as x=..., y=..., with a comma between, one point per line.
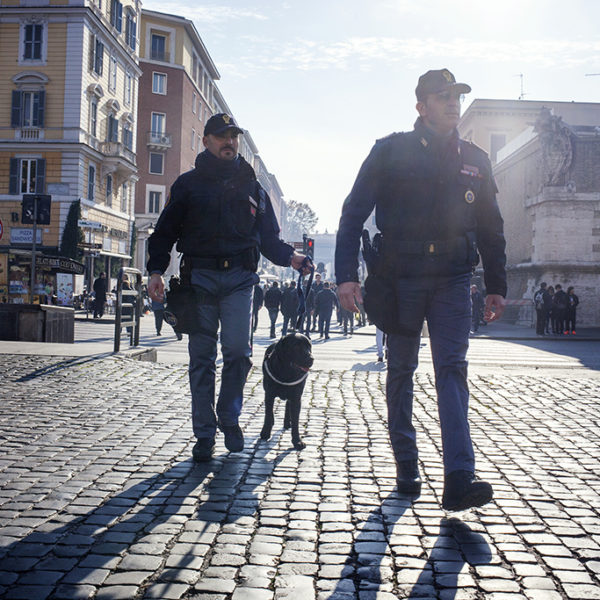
x=307, y=262
x=266, y=365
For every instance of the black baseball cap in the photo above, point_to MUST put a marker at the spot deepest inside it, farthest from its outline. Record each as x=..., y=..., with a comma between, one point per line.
x=436, y=81
x=220, y=123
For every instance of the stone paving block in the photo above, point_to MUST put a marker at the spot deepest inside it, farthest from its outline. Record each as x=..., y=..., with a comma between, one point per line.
x=74, y=592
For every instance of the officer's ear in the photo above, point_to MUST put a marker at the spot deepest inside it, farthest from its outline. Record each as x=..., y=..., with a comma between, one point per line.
x=421, y=108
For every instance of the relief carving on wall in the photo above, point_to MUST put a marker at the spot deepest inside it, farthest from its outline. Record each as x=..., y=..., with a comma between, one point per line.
x=557, y=150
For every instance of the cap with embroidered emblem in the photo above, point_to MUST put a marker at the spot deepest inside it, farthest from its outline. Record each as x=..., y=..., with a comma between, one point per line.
x=436, y=81
x=220, y=123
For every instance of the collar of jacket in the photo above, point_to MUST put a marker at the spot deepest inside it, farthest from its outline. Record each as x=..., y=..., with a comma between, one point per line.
x=431, y=140
x=208, y=165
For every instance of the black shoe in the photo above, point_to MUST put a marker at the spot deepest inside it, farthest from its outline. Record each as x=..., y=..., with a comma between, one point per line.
x=462, y=491
x=203, y=449
x=380, y=359
x=234, y=438
x=179, y=336
x=408, y=479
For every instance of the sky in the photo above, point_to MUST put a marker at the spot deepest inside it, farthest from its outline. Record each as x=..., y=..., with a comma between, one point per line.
x=317, y=82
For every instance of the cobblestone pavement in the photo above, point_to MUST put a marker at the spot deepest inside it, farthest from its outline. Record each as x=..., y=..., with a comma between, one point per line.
x=99, y=497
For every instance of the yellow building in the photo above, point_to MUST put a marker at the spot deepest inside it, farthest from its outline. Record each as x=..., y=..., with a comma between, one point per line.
x=69, y=73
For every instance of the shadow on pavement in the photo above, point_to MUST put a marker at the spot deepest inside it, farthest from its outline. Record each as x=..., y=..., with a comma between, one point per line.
x=119, y=546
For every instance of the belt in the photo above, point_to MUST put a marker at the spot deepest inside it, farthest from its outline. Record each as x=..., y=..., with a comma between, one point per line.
x=429, y=247
x=216, y=263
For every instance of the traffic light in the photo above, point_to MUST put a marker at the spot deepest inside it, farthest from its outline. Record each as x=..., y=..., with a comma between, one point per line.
x=28, y=209
x=309, y=246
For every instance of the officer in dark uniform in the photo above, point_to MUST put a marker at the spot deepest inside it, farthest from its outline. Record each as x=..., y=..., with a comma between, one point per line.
x=221, y=219
x=436, y=208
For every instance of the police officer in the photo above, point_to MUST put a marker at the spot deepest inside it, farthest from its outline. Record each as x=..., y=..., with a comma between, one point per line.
x=435, y=206
x=221, y=219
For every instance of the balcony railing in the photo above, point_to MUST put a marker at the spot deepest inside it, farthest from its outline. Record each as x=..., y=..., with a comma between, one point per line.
x=117, y=150
x=30, y=133
x=158, y=139
x=158, y=55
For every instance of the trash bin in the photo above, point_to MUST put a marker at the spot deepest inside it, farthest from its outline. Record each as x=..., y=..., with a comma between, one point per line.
x=37, y=323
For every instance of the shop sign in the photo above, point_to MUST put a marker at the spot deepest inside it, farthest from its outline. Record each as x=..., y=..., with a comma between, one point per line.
x=65, y=265
x=19, y=235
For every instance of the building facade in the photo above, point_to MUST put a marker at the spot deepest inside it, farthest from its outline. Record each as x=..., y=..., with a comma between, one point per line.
x=548, y=176
x=67, y=128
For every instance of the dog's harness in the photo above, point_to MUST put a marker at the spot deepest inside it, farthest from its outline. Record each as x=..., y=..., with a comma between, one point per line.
x=266, y=365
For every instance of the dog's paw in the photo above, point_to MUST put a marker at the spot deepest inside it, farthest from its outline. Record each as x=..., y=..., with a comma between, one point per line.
x=299, y=445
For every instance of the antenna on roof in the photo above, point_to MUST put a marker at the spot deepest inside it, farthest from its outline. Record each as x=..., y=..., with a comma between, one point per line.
x=522, y=95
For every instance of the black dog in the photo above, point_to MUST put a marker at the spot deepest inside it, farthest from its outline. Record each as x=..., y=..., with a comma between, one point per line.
x=285, y=369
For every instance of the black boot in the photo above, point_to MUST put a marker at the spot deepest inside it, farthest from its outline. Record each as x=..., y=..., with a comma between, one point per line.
x=462, y=491
x=408, y=479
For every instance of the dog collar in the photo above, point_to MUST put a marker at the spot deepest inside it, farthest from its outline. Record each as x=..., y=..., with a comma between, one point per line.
x=266, y=363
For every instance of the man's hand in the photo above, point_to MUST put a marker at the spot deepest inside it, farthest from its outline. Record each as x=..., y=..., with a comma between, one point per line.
x=297, y=260
x=349, y=295
x=156, y=288
x=494, y=307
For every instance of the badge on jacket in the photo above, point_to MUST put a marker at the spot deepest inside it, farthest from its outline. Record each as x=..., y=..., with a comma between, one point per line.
x=469, y=196
x=253, y=206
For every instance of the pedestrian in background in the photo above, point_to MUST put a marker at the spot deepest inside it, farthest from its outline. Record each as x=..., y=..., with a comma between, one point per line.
x=380, y=340
x=272, y=303
x=559, y=309
x=158, y=308
x=541, y=300
x=325, y=302
x=317, y=286
x=571, y=312
x=100, y=287
x=257, y=302
x=549, y=306
x=435, y=202
x=289, y=307
x=222, y=220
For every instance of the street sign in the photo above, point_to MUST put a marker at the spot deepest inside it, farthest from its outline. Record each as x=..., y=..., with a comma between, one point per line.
x=90, y=245
x=89, y=224
x=298, y=245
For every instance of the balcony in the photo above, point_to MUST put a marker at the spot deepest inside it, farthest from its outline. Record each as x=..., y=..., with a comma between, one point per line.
x=118, y=158
x=29, y=134
x=158, y=140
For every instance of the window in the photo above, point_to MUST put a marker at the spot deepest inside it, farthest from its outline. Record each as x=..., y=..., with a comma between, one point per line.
x=27, y=176
x=127, y=136
x=200, y=111
x=158, y=47
x=156, y=163
x=112, y=73
x=112, y=130
x=154, y=202
x=94, y=117
x=128, y=88
x=158, y=124
x=130, y=30
x=194, y=103
x=497, y=141
x=193, y=139
x=159, y=83
x=116, y=15
x=28, y=109
x=91, y=182
x=124, y=198
x=32, y=42
x=109, y=190
x=96, y=55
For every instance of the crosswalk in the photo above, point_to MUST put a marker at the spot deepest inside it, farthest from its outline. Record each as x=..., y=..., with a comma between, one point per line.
x=358, y=352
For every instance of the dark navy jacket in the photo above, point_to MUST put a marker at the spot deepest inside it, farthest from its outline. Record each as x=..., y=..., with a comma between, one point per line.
x=218, y=209
x=426, y=190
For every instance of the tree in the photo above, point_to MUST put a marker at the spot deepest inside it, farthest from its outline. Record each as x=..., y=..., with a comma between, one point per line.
x=300, y=219
x=72, y=234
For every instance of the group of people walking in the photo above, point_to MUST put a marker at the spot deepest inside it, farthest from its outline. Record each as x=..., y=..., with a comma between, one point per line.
x=556, y=310
x=320, y=301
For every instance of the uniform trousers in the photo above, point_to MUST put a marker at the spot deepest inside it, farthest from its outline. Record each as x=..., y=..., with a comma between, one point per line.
x=445, y=303
x=232, y=293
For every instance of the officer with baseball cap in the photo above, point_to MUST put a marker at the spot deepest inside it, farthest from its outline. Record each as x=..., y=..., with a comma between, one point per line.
x=222, y=220
x=435, y=206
